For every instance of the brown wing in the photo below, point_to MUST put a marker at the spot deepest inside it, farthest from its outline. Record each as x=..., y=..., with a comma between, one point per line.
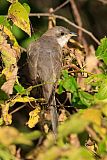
x=49, y=63
x=32, y=58
x=44, y=62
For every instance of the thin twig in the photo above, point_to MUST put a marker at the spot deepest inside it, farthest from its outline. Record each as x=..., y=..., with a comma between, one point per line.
x=23, y=49
x=71, y=66
x=77, y=17
x=17, y=109
x=60, y=6
x=67, y=21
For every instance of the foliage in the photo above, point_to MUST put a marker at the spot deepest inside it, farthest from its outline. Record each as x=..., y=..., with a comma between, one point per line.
x=88, y=124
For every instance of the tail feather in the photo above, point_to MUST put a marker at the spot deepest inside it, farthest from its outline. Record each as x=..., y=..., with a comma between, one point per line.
x=54, y=117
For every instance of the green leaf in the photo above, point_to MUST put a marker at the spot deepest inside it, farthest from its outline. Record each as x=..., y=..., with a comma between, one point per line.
x=19, y=88
x=27, y=7
x=1, y=121
x=60, y=88
x=81, y=154
x=102, y=92
x=85, y=98
x=101, y=52
x=65, y=73
x=70, y=84
x=2, y=19
x=96, y=79
x=5, y=22
x=102, y=147
x=6, y=155
x=75, y=124
x=33, y=135
x=20, y=17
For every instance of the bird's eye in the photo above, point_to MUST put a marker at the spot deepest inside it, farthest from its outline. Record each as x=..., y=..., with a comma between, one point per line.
x=62, y=33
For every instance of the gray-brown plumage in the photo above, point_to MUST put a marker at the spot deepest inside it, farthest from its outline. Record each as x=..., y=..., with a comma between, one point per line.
x=45, y=62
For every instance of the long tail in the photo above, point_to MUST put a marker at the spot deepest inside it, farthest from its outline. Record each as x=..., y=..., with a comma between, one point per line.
x=53, y=110
x=54, y=117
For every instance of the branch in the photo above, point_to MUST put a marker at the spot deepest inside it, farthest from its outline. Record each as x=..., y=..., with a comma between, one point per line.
x=67, y=21
x=77, y=17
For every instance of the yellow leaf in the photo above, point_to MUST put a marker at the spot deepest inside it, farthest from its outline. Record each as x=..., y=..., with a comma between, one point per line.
x=92, y=115
x=20, y=17
x=7, y=118
x=23, y=99
x=34, y=117
x=15, y=46
x=104, y=109
x=10, y=55
x=8, y=135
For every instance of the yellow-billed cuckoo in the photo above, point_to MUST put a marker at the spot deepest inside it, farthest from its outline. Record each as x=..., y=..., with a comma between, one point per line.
x=45, y=62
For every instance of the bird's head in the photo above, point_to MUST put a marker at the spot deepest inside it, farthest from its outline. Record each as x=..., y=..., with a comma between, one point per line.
x=61, y=34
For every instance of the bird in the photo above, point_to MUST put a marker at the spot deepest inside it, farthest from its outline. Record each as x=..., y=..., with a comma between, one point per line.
x=44, y=58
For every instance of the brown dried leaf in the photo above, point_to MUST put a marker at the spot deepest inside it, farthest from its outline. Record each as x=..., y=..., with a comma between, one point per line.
x=92, y=62
x=7, y=87
x=62, y=116
x=9, y=56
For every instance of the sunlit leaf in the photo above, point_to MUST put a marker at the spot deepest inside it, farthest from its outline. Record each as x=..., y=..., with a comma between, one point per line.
x=70, y=84
x=5, y=154
x=33, y=117
x=23, y=99
x=19, y=88
x=7, y=118
x=1, y=121
x=65, y=73
x=10, y=55
x=92, y=115
x=96, y=79
x=27, y=7
x=55, y=152
x=101, y=52
x=104, y=109
x=19, y=16
x=2, y=19
x=100, y=130
x=8, y=135
x=102, y=146
x=102, y=92
x=33, y=135
x=75, y=124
